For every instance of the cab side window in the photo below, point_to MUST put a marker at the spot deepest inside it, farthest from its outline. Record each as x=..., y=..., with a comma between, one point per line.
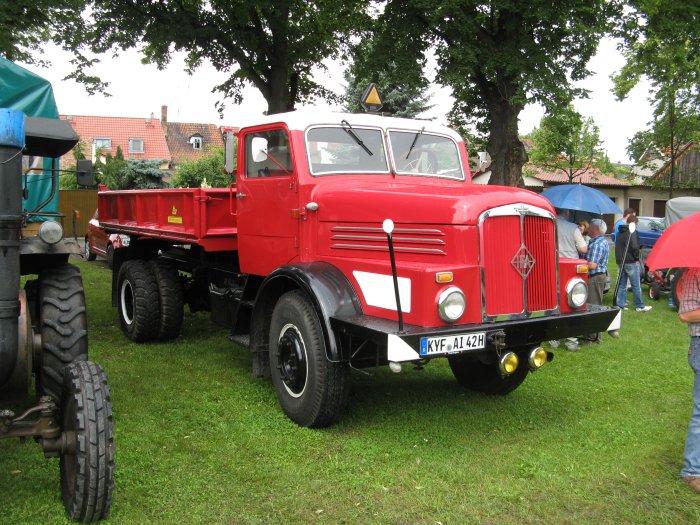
x=267, y=154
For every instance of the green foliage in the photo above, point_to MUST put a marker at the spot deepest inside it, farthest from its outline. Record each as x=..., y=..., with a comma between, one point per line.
x=208, y=168
x=566, y=142
x=595, y=437
x=26, y=25
x=133, y=174
x=275, y=46
x=403, y=90
x=498, y=56
x=662, y=43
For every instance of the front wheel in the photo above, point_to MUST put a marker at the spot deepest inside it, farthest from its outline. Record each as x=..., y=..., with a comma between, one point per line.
x=87, y=461
x=486, y=377
x=89, y=255
x=654, y=291
x=312, y=390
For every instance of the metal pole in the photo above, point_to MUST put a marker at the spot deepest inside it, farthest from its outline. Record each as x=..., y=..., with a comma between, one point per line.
x=621, y=269
x=396, y=280
x=11, y=146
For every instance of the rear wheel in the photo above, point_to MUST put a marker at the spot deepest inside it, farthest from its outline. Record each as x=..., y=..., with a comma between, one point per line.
x=674, y=277
x=139, y=310
x=89, y=256
x=63, y=325
x=170, y=298
x=312, y=391
x=486, y=377
x=87, y=461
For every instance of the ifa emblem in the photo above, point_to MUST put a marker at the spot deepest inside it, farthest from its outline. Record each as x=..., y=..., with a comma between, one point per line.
x=523, y=261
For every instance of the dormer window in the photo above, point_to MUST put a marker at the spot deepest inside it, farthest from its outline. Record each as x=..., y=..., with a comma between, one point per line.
x=103, y=143
x=135, y=145
x=196, y=142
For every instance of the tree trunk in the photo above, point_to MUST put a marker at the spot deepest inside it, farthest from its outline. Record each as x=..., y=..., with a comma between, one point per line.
x=504, y=145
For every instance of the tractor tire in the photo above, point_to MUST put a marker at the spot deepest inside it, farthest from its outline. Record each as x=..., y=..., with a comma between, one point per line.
x=87, y=461
x=170, y=295
x=674, y=277
x=487, y=378
x=89, y=255
x=139, y=309
x=63, y=326
x=312, y=390
x=109, y=256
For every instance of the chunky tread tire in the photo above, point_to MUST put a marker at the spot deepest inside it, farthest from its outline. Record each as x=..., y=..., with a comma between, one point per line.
x=139, y=309
x=654, y=291
x=325, y=395
x=63, y=326
x=87, y=472
x=89, y=254
x=486, y=378
x=171, y=299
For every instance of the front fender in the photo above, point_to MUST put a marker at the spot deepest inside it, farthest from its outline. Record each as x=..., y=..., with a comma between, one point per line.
x=330, y=292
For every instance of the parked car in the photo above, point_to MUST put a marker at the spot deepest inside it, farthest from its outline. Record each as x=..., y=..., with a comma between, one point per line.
x=649, y=229
x=98, y=242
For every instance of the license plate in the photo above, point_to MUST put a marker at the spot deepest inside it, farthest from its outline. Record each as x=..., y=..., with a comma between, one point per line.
x=452, y=343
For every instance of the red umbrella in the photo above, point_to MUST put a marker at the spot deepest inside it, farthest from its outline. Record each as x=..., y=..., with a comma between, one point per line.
x=678, y=246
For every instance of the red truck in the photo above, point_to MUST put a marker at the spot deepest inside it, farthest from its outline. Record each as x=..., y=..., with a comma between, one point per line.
x=298, y=261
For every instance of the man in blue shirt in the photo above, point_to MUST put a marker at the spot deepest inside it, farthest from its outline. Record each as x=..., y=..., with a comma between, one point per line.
x=622, y=222
x=598, y=256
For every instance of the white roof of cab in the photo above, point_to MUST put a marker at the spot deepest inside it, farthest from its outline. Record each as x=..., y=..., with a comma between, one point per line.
x=303, y=119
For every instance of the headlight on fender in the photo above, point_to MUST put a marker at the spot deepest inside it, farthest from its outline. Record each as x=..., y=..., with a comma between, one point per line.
x=451, y=304
x=576, y=293
x=50, y=232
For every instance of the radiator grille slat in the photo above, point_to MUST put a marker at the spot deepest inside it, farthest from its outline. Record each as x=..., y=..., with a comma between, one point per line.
x=541, y=283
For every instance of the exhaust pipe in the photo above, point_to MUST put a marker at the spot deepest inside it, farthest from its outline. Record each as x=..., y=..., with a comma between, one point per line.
x=11, y=146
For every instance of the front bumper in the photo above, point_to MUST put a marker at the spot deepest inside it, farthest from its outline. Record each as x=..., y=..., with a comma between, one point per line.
x=405, y=346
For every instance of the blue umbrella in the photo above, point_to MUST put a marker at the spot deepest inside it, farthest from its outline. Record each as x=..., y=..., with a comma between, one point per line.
x=580, y=197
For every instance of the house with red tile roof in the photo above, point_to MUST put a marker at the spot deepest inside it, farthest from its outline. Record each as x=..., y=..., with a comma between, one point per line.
x=138, y=138
x=189, y=141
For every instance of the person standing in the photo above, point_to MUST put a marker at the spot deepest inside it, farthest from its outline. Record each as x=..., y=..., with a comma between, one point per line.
x=570, y=242
x=629, y=268
x=598, y=257
x=622, y=222
x=689, y=313
x=583, y=228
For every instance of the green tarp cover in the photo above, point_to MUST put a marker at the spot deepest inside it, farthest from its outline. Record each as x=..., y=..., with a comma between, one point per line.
x=27, y=92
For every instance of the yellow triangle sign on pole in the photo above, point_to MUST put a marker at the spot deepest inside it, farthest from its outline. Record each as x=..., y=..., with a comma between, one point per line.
x=371, y=99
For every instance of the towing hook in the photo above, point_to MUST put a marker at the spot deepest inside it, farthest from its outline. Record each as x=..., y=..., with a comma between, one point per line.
x=497, y=339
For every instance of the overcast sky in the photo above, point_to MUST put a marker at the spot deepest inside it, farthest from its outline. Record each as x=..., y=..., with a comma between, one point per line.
x=139, y=90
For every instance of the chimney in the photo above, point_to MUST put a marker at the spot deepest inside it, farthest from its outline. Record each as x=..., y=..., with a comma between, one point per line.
x=163, y=114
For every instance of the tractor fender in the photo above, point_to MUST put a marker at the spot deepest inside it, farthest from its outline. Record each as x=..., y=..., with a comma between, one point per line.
x=329, y=290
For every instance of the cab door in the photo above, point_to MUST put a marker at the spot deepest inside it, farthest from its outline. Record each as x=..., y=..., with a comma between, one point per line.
x=267, y=202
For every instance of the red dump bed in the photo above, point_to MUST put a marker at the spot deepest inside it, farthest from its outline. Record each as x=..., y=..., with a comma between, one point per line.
x=206, y=217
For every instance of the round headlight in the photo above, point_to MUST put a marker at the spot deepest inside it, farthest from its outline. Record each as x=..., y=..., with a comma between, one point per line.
x=576, y=293
x=451, y=304
x=50, y=232
x=508, y=363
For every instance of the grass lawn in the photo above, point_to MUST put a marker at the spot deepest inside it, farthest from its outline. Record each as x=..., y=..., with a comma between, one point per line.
x=595, y=437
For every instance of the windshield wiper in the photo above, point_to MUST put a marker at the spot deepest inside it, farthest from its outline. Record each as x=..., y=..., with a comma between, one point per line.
x=415, y=139
x=348, y=129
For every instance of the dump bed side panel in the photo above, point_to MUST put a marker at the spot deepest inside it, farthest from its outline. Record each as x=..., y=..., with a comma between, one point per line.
x=206, y=217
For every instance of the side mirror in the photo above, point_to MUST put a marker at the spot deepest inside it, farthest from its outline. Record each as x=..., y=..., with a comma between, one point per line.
x=230, y=152
x=484, y=161
x=259, y=149
x=84, y=173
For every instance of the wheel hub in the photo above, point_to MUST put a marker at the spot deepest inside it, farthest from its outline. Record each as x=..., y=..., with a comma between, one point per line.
x=291, y=360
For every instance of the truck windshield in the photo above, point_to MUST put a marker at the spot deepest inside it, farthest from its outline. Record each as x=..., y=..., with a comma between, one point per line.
x=422, y=153
x=332, y=149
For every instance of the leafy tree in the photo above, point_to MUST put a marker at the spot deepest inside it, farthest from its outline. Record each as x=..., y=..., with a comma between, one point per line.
x=498, y=56
x=133, y=174
x=662, y=43
x=566, y=142
x=207, y=169
x=274, y=45
x=27, y=25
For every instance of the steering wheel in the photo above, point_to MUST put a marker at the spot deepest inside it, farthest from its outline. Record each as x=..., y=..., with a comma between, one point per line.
x=420, y=160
